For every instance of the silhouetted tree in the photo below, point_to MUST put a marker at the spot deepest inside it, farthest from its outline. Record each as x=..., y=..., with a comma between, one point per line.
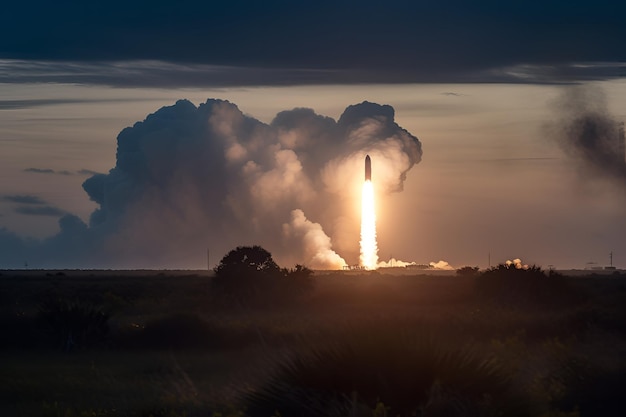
x=245, y=272
x=248, y=273
x=245, y=260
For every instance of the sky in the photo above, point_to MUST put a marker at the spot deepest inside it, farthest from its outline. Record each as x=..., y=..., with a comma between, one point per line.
x=136, y=135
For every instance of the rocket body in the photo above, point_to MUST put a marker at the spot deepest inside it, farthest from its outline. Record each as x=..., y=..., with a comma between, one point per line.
x=368, y=168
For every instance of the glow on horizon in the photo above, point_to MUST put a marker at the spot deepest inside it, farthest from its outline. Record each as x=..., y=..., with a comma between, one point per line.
x=369, y=247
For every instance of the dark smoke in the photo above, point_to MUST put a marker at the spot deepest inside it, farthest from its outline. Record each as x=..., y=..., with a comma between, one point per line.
x=189, y=178
x=588, y=133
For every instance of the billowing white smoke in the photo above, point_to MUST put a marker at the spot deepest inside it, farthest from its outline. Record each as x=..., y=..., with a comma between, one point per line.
x=394, y=263
x=188, y=178
x=442, y=265
x=516, y=263
x=397, y=263
x=315, y=243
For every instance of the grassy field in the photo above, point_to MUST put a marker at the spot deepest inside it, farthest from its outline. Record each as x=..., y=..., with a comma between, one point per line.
x=80, y=343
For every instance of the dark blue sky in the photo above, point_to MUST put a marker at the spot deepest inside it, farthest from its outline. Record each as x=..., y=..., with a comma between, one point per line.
x=351, y=41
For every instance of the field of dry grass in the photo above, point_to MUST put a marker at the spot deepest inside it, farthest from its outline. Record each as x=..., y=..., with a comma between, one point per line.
x=163, y=344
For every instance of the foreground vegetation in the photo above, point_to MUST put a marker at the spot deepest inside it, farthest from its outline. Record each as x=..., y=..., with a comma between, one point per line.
x=501, y=342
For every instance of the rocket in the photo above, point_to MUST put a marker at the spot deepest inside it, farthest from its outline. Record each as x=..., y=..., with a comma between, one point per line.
x=368, y=168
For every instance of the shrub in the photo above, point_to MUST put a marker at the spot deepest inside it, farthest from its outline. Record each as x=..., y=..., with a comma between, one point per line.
x=184, y=331
x=531, y=286
x=406, y=375
x=19, y=331
x=467, y=271
x=72, y=324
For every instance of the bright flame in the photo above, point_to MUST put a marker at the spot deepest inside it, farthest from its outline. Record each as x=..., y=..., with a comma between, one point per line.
x=369, y=248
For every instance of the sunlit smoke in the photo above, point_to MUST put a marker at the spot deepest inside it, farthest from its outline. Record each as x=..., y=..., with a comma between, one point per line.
x=516, y=263
x=443, y=265
x=369, y=247
x=317, y=247
x=394, y=263
x=193, y=177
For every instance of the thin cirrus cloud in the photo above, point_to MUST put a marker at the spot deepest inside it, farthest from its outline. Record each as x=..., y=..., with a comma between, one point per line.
x=23, y=199
x=59, y=172
x=40, y=210
x=31, y=205
x=163, y=74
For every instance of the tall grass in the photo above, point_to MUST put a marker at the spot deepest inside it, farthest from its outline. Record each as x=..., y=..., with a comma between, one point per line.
x=358, y=345
x=410, y=374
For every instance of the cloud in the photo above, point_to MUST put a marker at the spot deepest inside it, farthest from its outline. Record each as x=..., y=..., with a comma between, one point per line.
x=23, y=199
x=171, y=74
x=190, y=177
x=153, y=73
x=364, y=41
x=40, y=170
x=52, y=171
x=40, y=211
x=26, y=104
x=87, y=172
x=588, y=133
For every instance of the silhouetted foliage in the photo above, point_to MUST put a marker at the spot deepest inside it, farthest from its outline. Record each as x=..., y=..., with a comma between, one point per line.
x=513, y=286
x=595, y=393
x=408, y=376
x=246, y=272
x=249, y=274
x=184, y=331
x=467, y=271
x=298, y=281
x=19, y=331
x=72, y=324
x=170, y=350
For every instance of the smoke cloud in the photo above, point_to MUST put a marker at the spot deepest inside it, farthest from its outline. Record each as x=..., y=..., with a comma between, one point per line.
x=189, y=177
x=314, y=243
x=443, y=265
x=516, y=263
x=588, y=133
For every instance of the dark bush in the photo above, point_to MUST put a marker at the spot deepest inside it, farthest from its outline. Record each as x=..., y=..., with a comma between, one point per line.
x=467, y=271
x=405, y=375
x=184, y=331
x=296, y=282
x=19, y=332
x=575, y=384
x=602, y=394
x=519, y=287
x=72, y=324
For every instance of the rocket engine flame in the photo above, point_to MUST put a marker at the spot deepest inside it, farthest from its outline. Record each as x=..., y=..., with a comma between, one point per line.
x=369, y=247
